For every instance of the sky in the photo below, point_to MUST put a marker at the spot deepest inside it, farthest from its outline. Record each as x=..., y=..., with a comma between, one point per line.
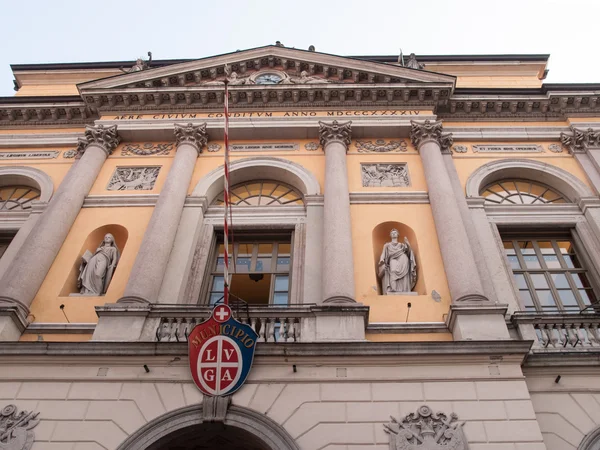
x=42, y=31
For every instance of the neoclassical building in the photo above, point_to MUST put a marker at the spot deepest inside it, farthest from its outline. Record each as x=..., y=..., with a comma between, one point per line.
x=416, y=242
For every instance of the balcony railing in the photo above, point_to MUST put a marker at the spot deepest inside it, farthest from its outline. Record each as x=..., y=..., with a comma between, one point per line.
x=560, y=332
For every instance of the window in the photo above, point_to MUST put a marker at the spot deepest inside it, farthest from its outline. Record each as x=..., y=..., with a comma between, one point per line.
x=261, y=273
x=17, y=198
x=520, y=192
x=262, y=193
x=5, y=239
x=549, y=274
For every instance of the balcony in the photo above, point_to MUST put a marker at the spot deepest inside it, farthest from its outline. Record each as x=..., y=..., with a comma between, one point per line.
x=273, y=324
x=559, y=332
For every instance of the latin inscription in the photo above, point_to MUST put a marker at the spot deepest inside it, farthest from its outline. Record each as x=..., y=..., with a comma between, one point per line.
x=29, y=155
x=217, y=115
x=507, y=149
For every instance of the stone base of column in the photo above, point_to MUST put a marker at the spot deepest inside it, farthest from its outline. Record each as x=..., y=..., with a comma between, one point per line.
x=119, y=322
x=337, y=323
x=132, y=299
x=340, y=300
x=472, y=298
x=12, y=323
x=477, y=322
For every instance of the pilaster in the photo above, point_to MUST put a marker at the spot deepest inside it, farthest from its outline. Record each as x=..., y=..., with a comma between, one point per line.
x=338, y=260
x=584, y=145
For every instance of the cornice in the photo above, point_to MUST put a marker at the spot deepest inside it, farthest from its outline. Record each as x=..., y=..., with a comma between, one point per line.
x=44, y=110
x=366, y=198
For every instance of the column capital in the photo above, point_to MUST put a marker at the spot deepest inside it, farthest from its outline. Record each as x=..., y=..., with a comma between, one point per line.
x=194, y=135
x=421, y=132
x=579, y=141
x=335, y=131
x=101, y=136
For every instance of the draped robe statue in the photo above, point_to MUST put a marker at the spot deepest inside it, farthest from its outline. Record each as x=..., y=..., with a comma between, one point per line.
x=397, y=266
x=97, y=270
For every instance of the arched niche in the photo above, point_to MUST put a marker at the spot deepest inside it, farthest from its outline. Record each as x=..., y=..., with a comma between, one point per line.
x=267, y=168
x=91, y=243
x=188, y=421
x=28, y=176
x=381, y=235
x=561, y=180
x=591, y=441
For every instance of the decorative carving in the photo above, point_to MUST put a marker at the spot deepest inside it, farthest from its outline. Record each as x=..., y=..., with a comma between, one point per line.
x=412, y=62
x=304, y=79
x=426, y=430
x=421, y=132
x=311, y=146
x=213, y=147
x=191, y=134
x=70, y=154
x=96, y=270
x=460, y=148
x=555, y=148
x=380, y=146
x=579, y=141
x=525, y=148
x=234, y=80
x=133, y=179
x=335, y=131
x=385, y=175
x=139, y=65
x=397, y=266
x=214, y=409
x=146, y=149
x=16, y=428
x=104, y=137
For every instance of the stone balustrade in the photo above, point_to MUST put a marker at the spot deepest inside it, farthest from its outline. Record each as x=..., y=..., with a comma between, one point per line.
x=560, y=332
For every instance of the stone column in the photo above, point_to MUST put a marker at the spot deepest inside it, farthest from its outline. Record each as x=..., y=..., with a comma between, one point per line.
x=23, y=278
x=472, y=316
x=338, y=261
x=584, y=145
x=151, y=262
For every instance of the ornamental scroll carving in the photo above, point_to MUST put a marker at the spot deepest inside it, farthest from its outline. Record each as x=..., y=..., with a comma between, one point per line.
x=426, y=430
x=191, y=134
x=133, y=179
x=146, y=149
x=335, y=131
x=16, y=428
x=421, y=132
x=579, y=141
x=104, y=137
x=380, y=146
x=385, y=175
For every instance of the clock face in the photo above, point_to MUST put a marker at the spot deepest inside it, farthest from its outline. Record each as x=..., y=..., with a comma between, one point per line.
x=267, y=78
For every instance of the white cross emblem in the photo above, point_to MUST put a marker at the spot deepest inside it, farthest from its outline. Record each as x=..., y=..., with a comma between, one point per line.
x=222, y=313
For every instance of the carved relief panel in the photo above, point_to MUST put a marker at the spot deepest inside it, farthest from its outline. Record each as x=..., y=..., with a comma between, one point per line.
x=385, y=175
x=16, y=428
x=133, y=179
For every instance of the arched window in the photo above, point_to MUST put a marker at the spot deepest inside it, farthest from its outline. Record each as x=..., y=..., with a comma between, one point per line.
x=262, y=193
x=17, y=198
x=520, y=192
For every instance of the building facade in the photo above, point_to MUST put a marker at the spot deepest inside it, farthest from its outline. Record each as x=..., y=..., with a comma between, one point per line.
x=416, y=242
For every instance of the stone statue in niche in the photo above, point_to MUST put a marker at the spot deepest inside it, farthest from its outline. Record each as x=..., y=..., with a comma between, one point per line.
x=397, y=266
x=97, y=269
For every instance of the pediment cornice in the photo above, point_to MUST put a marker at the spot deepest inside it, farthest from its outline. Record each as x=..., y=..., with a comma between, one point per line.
x=336, y=69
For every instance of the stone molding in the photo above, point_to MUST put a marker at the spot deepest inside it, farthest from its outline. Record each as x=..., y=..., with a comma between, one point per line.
x=361, y=198
x=422, y=132
x=194, y=135
x=214, y=409
x=580, y=141
x=330, y=132
x=60, y=328
x=16, y=311
x=563, y=181
x=114, y=201
x=591, y=441
x=104, y=137
x=25, y=175
x=407, y=327
x=258, y=167
x=475, y=308
x=257, y=424
x=16, y=428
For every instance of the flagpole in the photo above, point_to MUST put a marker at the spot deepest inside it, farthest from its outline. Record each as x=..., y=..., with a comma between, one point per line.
x=226, y=197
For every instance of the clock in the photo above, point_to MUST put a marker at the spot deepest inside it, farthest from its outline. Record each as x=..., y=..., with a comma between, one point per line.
x=268, y=78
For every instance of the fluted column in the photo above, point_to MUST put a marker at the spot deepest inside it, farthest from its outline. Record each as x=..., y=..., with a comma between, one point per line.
x=338, y=262
x=459, y=263
x=23, y=278
x=151, y=262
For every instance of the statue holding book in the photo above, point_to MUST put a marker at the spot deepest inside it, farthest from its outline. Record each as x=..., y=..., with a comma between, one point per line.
x=97, y=269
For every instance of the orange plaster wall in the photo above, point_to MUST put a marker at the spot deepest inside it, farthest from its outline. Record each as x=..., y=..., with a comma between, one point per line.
x=393, y=308
x=55, y=168
x=45, y=306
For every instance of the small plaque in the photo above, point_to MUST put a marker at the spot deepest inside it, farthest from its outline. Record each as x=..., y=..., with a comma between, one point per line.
x=29, y=155
x=533, y=148
x=263, y=147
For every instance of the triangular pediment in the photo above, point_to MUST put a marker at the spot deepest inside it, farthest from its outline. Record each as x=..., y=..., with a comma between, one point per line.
x=292, y=65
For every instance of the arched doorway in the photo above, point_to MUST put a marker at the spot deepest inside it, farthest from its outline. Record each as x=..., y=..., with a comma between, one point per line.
x=186, y=429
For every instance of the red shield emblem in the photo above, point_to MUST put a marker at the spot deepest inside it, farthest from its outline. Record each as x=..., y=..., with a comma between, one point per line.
x=221, y=351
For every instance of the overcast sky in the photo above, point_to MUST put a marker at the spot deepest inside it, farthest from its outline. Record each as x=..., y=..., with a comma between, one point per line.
x=41, y=31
